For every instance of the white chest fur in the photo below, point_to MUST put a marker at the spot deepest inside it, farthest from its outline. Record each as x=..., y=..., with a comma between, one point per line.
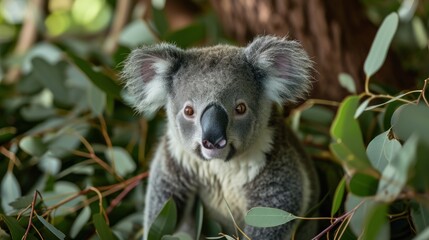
x=223, y=182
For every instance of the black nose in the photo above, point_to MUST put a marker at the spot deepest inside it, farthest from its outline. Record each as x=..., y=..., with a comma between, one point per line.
x=214, y=122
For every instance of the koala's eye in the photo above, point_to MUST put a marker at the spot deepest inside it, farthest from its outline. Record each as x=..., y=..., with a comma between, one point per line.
x=188, y=111
x=240, y=109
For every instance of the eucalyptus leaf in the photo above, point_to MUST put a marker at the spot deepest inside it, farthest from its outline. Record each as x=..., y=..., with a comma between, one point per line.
x=101, y=227
x=357, y=222
x=267, y=217
x=338, y=196
x=52, y=77
x=16, y=230
x=101, y=80
x=411, y=119
x=50, y=164
x=423, y=235
x=23, y=202
x=33, y=146
x=199, y=217
x=10, y=191
x=51, y=228
x=46, y=51
x=121, y=160
x=363, y=184
x=362, y=107
x=376, y=224
x=135, y=34
x=395, y=175
x=381, y=150
x=420, y=216
x=7, y=134
x=420, y=33
x=188, y=35
x=348, y=146
x=379, y=48
x=62, y=190
x=96, y=100
x=165, y=222
x=347, y=82
x=80, y=222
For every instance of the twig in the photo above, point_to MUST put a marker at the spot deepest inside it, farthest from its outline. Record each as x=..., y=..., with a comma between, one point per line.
x=27, y=37
x=33, y=205
x=119, y=198
x=121, y=15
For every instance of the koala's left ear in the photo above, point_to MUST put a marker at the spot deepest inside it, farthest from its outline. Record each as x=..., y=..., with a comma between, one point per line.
x=285, y=66
x=147, y=75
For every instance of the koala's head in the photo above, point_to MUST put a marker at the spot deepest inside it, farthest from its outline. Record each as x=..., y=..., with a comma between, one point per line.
x=218, y=99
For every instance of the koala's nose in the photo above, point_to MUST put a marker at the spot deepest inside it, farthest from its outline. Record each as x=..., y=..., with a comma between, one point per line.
x=214, y=122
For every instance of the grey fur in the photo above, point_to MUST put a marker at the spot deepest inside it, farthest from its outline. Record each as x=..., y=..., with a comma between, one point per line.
x=262, y=164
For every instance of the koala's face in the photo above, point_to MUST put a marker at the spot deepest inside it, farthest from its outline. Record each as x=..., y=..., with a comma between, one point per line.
x=216, y=103
x=218, y=99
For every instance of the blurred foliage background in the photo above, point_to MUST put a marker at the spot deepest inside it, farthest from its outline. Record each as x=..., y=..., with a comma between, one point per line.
x=74, y=155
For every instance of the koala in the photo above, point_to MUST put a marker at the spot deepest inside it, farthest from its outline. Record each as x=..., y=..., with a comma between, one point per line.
x=225, y=139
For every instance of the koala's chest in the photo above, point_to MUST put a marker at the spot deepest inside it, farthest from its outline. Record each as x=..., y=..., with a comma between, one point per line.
x=219, y=199
x=222, y=188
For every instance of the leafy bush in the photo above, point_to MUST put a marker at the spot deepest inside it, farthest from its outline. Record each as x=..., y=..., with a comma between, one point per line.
x=73, y=155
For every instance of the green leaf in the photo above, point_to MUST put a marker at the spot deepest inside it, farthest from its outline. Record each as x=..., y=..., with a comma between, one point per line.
x=10, y=191
x=211, y=228
x=420, y=216
x=52, y=77
x=347, y=82
x=101, y=227
x=395, y=175
x=411, y=119
x=338, y=196
x=349, y=146
x=188, y=36
x=165, y=222
x=51, y=228
x=363, y=184
x=160, y=21
x=423, y=235
x=121, y=160
x=267, y=217
x=23, y=202
x=62, y=190
x=35, y=112
x=99, y=79
x=420, y=34
x=50, y=164
x=67, y=139
x=381, y=150
x=376, y=224
x=16, y=230
x=357, y=222
x=33, y=146
x=379, y=48
x=96, y=100
x=7, y=134
x=362, y=107
x=199, y=217
x=158, y=4
x=135, y=34
x=80, y=222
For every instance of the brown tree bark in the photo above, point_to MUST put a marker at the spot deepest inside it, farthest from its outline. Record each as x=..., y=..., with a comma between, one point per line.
x=336, y=34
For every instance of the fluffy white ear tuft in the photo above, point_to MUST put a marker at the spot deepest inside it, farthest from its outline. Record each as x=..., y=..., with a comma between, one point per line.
x=284, y=66
x=147, y=74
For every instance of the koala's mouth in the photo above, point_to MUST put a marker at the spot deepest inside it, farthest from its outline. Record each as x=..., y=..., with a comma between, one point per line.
x=225, y=154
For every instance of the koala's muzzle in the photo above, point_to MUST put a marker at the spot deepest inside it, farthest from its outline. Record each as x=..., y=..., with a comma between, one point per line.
x=214, y=122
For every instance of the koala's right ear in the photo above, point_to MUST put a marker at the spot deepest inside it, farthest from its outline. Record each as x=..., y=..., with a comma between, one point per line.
x=147, y=72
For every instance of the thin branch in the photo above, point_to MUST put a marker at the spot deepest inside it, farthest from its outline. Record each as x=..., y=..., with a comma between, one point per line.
x=121, y=15
x=119, y=198
x=33, y=205
x=27, y=37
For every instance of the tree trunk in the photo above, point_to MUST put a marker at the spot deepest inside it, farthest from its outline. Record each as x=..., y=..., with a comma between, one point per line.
x=335, y=33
